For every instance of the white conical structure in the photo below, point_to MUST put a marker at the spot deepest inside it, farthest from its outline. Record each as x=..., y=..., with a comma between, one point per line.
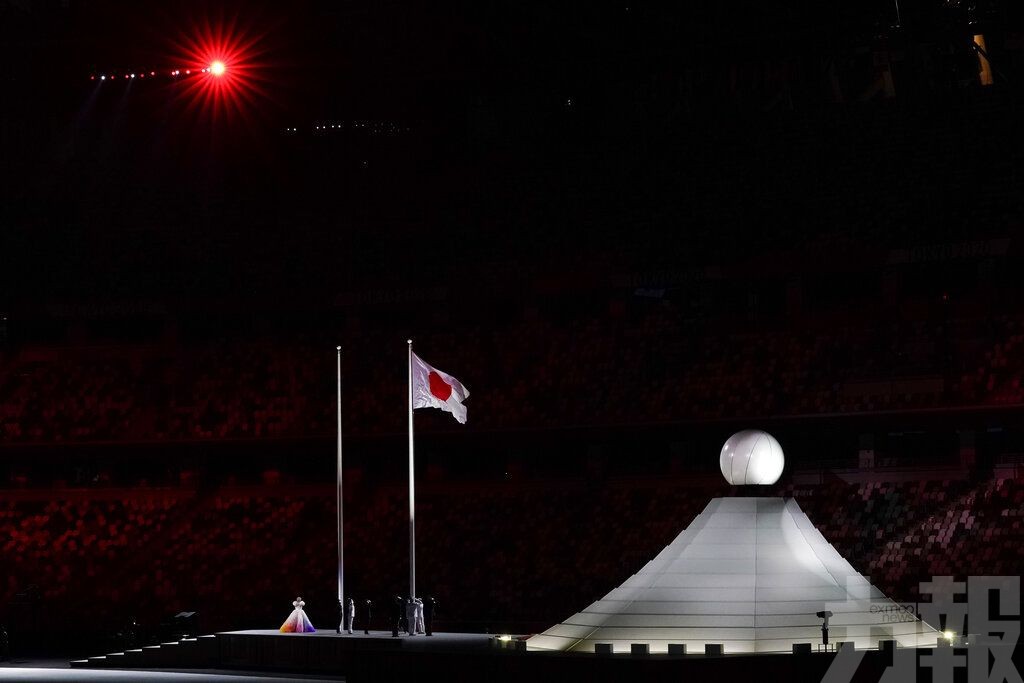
x=750, y=574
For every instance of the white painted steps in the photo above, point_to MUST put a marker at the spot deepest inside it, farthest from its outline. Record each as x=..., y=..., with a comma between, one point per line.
x=185, y=653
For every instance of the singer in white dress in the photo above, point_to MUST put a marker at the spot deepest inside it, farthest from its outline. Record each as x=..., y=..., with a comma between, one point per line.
x=297, y=621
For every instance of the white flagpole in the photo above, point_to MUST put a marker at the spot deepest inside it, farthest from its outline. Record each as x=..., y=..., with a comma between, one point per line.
x=412, y=492
x=341, y=520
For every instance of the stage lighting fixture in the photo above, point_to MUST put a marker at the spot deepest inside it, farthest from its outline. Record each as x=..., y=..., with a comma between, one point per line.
x=103, y=78
x=217, y=68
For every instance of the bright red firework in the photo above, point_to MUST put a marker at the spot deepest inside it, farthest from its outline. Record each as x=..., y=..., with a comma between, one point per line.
x=230, y=77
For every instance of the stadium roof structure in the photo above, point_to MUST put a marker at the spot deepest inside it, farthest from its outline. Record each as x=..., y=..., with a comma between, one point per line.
x=750, y=574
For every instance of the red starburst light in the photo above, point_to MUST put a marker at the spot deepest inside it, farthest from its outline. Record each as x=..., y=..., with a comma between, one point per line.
x=227, y=77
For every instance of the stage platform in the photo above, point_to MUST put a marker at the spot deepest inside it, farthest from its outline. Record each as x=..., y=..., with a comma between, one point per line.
x=466, y=657
x=438, y=640
x=322, y=649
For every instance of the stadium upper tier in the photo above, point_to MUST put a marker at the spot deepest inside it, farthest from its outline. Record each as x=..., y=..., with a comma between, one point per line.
x=621, y=367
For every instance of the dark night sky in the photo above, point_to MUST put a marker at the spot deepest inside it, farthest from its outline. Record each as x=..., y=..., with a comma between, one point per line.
x=528, y=125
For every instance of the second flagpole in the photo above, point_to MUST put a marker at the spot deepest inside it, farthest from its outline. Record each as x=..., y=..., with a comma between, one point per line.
x=412, y=492
x=341, y=519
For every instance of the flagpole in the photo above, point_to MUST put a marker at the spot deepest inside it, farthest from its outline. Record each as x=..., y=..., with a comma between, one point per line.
x=341, y=520
x=412, y=492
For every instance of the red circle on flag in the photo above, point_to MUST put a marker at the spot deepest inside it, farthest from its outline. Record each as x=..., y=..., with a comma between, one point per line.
x=438, y=387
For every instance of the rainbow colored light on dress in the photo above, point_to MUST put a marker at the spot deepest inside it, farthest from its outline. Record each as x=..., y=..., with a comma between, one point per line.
x=297, y=621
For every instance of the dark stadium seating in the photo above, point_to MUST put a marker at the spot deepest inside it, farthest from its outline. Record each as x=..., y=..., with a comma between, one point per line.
x=511, y=556
x=651, y=366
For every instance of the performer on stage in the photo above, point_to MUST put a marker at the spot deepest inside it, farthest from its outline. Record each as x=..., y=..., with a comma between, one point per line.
x=418, y=613
x=367, y=615
x=397, y=610
x=410, y=616
x=297, y=621
x=428, y=611
x=350, y=614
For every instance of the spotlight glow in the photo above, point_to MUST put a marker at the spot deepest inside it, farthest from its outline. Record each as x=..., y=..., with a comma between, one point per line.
x=226, y=58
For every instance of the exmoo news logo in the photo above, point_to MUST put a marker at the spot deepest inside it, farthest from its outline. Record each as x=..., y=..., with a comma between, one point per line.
x=972, y=625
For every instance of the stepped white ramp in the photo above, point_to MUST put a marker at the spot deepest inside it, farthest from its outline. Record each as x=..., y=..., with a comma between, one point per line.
x=749, y=573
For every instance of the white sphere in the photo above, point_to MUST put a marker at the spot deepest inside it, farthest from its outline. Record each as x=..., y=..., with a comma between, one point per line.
x=751, y=457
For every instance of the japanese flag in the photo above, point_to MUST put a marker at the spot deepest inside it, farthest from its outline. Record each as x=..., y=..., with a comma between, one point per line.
x=432, y=388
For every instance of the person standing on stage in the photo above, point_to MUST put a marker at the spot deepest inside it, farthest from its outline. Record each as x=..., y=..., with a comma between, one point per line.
x=418, y=628
x=410, y=616
x=350, y=614
x=397, y=615
x=428, y=612
x=297, y=621
x=367, y=614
